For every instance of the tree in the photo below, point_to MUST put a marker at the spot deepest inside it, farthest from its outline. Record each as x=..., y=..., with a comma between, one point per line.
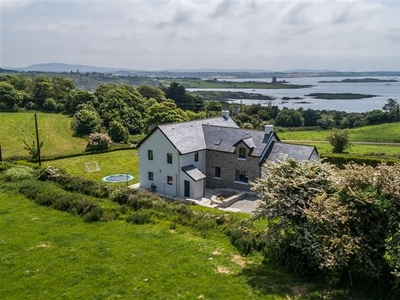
x=149, y=92
x=9, y=97
x=78, y=98
x=289, y=118
x=165, y=112
x=339, y=139
x=338, y=224
x=117, y=132
x=33, y=150
x=42, y=89
x=393, y=109
x=86, y=121
x=311, y=117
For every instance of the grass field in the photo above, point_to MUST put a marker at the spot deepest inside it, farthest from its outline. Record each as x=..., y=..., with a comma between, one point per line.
x=385, y=133
x=115, y=162
x=47, y=254
x=54, y=130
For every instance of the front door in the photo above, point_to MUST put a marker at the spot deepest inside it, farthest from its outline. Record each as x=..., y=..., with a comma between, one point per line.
x=187, y=188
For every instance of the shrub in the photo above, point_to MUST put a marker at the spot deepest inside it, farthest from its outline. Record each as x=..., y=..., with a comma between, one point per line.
x=18, y=173
x=140, y=217
x=94, y=215
x=4, y=165
x=98, y=142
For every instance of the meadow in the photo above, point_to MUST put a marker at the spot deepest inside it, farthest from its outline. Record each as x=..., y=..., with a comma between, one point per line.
x=54, y=130
x=48, y=254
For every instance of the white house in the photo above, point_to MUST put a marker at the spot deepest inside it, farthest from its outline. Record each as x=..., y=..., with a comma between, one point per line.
x=182, y=159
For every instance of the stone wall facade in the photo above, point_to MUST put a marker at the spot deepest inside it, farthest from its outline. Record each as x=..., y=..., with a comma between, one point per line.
x=229, y=164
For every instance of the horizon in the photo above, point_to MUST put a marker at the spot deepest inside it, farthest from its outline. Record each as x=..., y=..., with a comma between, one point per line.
x=355, y=36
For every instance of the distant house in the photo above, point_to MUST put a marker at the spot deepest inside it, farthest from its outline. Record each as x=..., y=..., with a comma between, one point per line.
x=183, y=159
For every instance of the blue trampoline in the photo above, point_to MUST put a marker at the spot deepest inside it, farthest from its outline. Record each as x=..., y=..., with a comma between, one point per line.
x=118, y=178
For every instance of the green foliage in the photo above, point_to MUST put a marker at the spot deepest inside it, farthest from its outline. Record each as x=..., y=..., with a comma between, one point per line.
x=9, y=97
x=340, y=141
x=17, y=173
x=33, y=150
x=73, y=183
x=289, y=118
x=98, y=142
x=335, y=223
x=86, y=121
x=117, y=132
x=140, y=217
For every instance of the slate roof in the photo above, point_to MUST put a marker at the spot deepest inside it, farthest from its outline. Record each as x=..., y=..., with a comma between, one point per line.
x=297, y=152
x=225, y=139
x=188, y=136
x=193, y=172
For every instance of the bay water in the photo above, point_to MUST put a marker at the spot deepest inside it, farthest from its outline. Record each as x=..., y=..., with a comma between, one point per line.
x=382, y=90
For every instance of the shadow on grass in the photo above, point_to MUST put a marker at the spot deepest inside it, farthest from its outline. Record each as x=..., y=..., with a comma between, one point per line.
x=269, y=279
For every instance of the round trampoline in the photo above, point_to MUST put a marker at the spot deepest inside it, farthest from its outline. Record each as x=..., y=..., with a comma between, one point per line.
x=118, y=178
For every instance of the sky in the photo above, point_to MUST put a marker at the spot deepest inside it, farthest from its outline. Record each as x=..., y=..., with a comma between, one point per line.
x=161, y=34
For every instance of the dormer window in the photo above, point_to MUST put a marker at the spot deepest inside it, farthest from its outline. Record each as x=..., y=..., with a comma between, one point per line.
x=242, y=153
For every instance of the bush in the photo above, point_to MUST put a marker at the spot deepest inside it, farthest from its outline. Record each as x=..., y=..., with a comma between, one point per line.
x=140, y=217
x=98, y=142
x=18, y=173
x=94, y=215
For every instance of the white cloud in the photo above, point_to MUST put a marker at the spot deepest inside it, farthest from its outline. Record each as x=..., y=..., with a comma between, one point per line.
x=204, y=34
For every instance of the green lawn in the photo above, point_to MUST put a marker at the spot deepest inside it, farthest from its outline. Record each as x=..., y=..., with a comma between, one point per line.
x=115, y=162
x=389, y=133
x=47, y=254
x=54, y=130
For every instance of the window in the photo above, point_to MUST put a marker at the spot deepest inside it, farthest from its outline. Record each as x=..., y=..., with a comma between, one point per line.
x=150, y=154
x=241, y=176
x=151, y=176
x=218, y=172
x=169, y=180
x=242, y=152
x=196, y=156
x=169, y=158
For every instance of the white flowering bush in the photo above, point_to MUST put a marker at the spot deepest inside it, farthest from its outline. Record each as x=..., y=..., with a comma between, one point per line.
x=340, y=223
x=18, y=173
x=98, y=142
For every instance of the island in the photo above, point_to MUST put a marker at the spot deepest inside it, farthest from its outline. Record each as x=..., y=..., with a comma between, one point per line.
x=229, y=95
x=358, y=80
x=340, y=96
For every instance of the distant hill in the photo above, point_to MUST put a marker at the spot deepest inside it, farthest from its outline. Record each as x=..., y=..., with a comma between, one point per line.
x=61, y=67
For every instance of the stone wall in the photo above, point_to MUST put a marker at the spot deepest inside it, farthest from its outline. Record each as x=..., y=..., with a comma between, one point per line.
x=229, y=163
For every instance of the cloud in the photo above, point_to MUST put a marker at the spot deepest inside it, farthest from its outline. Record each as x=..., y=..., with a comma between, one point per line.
x=176, y=34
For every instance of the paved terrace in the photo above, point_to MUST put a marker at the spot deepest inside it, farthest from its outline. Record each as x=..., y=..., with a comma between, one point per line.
x=247, y=205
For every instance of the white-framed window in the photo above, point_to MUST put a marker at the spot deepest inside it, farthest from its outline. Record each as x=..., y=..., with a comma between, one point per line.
x=242, y=153
x=150, y=154
x=196, y=156
x=169, y=158
x=217, y=172
x=151, y=176
x=240, y=176
x=170, y=180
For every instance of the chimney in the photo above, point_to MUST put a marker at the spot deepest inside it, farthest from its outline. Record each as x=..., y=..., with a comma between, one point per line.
x=269, y=129
x=225, y=114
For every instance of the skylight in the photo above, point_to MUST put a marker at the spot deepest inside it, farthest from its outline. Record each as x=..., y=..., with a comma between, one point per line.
x=218, y=142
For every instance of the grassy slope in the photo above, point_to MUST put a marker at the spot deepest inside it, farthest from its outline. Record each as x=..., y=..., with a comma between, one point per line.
x=388, y=133
x=46, y=254
x=54, y=130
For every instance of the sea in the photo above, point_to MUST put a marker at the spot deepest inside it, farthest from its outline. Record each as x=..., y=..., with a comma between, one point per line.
x=382, y=90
